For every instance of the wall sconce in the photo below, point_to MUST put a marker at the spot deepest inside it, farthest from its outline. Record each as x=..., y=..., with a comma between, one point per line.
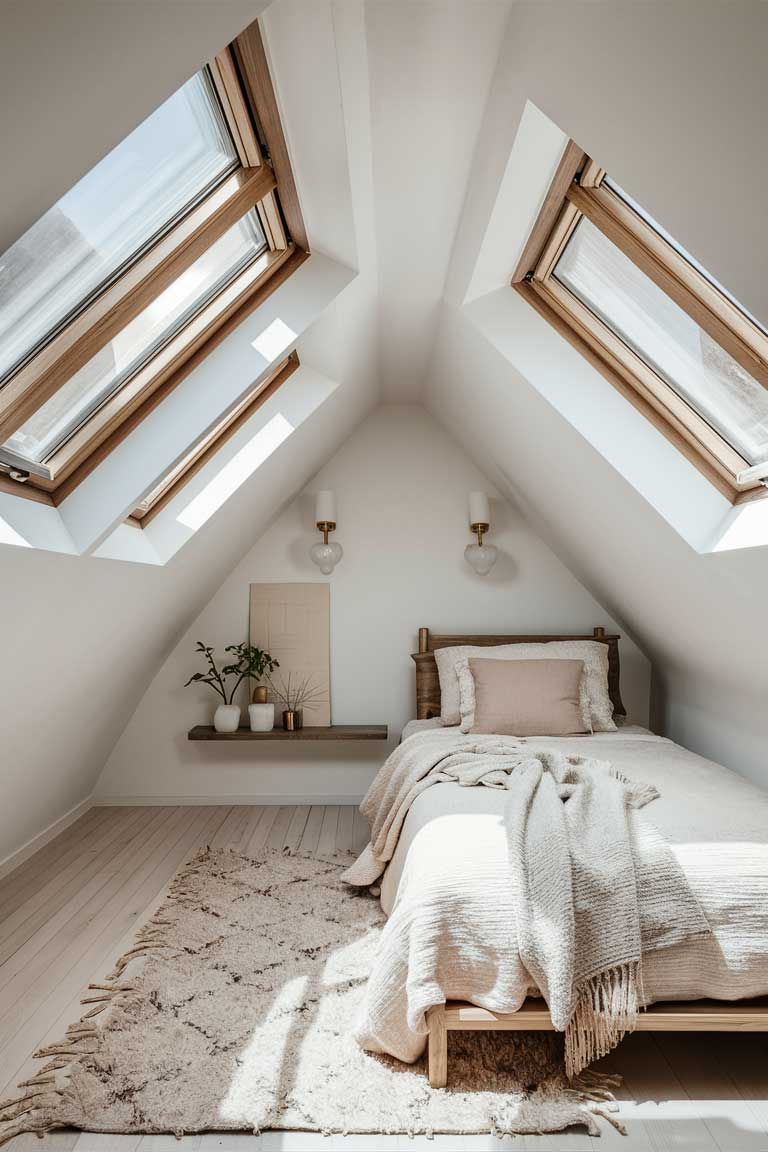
x=326, y=555
x=482, y=557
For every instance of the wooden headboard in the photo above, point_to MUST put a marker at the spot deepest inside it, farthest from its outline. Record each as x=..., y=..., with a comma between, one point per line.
x=428, y=683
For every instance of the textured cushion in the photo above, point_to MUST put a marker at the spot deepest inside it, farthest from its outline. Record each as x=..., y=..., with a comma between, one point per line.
x=525, y=697
x=597, y=709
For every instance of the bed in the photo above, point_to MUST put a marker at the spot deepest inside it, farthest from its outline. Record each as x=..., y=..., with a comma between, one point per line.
x=715, y=821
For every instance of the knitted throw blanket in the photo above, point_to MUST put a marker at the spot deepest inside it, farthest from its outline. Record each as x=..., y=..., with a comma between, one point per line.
x=597, y=885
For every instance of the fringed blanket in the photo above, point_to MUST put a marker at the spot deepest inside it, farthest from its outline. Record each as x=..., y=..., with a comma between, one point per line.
x=595, y=886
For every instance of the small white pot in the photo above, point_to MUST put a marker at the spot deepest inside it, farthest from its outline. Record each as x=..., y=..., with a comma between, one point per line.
x=262, y=717
x=226, y=718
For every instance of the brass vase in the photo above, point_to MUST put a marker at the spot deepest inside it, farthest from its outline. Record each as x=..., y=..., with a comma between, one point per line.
x=260, y=694
x=293, y=719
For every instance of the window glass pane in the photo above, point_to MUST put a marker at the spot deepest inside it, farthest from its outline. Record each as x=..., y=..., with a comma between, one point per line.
x=641, y=212
x=667, y=339
x=219, y=431
x=57, y=419
x=198, y=450
x=173, y=474
x=123, y=203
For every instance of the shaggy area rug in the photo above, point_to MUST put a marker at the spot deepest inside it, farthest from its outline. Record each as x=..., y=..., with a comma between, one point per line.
x=233, y=1011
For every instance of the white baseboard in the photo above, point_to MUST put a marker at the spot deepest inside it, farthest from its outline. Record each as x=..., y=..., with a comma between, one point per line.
x=37, y=842
x=272, y=798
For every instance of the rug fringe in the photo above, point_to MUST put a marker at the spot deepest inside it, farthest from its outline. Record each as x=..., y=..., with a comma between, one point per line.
x=591, y=1094
x=29, y=1111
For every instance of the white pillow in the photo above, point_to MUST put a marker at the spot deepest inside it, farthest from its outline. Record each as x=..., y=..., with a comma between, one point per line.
x=597, y=708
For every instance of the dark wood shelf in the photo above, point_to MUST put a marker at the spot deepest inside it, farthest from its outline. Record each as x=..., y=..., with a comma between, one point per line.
x=334, y=732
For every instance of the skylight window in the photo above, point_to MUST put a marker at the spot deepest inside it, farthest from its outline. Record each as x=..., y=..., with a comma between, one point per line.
x=654, y=321
x=59, y=417
x=250, y=457
x=129, y=198
x=111, y=297
x=667, y=339
x=180, y=473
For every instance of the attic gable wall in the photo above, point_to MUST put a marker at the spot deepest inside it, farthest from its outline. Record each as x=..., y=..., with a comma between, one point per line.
x=401, y=486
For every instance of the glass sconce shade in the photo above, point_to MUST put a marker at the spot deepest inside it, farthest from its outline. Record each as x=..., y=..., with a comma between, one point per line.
x=326, y=556
x=481, y=557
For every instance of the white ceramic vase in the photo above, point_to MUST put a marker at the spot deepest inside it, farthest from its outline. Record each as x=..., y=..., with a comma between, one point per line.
x=226, y=718
x=262, y=717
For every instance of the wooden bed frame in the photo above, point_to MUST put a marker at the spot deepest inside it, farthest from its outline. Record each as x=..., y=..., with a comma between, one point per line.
x=533, y=1016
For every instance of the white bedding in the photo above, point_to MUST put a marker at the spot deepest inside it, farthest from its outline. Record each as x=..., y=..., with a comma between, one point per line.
x=452, y=848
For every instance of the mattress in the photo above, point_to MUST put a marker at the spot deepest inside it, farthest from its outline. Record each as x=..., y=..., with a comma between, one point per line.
x=715, y=821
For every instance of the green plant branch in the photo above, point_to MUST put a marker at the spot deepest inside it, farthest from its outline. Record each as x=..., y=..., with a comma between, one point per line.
x=251, y=663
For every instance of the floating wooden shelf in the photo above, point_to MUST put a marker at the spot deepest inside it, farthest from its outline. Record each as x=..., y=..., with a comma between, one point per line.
x=334, y=732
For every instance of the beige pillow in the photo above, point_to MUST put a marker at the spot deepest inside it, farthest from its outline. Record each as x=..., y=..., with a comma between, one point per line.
x=527, y=697
x=597, y=709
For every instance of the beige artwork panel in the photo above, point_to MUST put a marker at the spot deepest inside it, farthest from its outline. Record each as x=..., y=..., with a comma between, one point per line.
x=293, y=623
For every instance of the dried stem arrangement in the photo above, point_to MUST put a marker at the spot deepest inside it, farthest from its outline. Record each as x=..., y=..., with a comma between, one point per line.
x=295, y=693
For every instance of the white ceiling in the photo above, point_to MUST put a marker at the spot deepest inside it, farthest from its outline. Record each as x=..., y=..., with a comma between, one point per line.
x=429, y=96
x=431, y=66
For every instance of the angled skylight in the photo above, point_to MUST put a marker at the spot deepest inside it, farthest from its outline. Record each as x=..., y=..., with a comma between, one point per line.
x=633, y=204
x=661, y=328
x=200, y=453
x=59, y=417
x=235, y=472
x=127, y=200
x=111, y=298
x=667, y=339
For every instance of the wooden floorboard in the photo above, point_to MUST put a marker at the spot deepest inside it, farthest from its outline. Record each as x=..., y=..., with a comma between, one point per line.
x=260, y=834
x=68, y=912
x=74, y=834
x=76, y=922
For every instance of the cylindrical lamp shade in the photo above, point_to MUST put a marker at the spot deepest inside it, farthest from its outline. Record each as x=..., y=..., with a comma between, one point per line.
x=479, y=508
x=325, y=508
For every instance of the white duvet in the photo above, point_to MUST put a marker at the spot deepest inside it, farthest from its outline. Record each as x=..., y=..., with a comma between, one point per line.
x=449, y=896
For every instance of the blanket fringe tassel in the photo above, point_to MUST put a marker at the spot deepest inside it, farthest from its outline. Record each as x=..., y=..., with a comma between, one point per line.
x=607, y=1007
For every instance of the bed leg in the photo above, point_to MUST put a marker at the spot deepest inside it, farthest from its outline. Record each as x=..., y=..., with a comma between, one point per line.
x=437, y=1054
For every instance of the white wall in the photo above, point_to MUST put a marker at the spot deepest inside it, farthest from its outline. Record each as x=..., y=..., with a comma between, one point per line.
x=401, y=486
x=81, y=637
x=700, y=618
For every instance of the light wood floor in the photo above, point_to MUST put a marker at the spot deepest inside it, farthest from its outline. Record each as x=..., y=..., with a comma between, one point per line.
x=70, y=910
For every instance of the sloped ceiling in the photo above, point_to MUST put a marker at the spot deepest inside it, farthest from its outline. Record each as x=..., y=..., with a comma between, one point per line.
x=76, y=78
x=82, y=637
x=431, y=66
x=672, y=97
x=654, y=91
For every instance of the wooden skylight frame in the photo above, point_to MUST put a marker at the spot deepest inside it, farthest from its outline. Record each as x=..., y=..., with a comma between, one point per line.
x=264, y=183
x=209, y=445
x=579, y=190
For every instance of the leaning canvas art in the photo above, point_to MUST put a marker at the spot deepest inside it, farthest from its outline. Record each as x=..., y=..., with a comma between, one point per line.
x=292, y=622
